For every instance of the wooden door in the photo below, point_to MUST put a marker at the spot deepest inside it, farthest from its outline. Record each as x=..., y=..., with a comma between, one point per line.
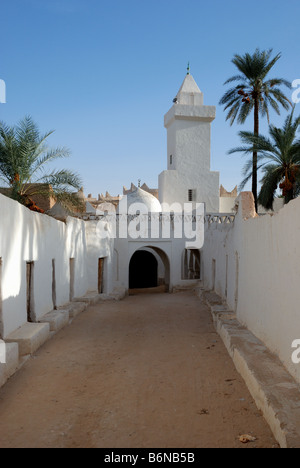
x=100, y=275
x=29, y=291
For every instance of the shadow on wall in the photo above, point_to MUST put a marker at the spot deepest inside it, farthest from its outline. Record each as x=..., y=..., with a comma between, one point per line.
x=14, y=242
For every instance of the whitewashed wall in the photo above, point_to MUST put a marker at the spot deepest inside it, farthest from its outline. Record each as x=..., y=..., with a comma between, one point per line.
x=100, y=244
x=26, y=236
x=257, y=272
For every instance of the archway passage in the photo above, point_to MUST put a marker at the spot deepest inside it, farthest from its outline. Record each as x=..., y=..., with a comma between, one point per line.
x=143, y=270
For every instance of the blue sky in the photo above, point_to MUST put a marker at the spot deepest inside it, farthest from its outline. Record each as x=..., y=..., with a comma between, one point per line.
x=102, y=74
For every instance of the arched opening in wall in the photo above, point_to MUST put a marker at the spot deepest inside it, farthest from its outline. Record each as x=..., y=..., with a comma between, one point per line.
x=149, y=268
x=191, y=262
x=143, y=270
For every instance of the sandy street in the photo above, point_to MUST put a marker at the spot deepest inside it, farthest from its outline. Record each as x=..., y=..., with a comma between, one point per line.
x=149, y=371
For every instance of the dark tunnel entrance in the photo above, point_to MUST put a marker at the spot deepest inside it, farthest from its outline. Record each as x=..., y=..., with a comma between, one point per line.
x=143, y=270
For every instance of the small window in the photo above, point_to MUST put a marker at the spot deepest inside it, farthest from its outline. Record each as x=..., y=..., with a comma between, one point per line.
x=171, y=160
x=191, y=195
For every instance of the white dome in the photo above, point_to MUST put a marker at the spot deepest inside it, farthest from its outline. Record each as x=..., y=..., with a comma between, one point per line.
x=140, y=196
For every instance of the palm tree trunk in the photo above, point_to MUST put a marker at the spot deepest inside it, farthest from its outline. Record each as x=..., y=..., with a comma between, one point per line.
x=254, y=169
x=289, y=196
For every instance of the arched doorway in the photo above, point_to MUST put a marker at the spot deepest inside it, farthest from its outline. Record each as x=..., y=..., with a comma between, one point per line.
x=143, y=270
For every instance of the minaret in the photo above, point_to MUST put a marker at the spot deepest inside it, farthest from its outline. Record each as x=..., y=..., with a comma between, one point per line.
x=188, y=125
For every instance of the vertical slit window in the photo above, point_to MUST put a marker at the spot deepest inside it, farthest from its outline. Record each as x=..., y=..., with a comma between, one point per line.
x=72, y=278
x=100, y=275
x=30, y=291
x=54, y=285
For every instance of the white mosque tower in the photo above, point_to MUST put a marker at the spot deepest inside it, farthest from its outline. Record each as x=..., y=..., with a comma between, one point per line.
x=189, y=177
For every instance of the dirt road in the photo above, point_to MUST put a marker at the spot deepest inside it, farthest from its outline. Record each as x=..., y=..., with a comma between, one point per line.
x=149, y=371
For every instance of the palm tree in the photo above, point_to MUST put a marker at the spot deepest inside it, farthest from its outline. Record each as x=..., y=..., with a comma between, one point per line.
x=254, y=92
x=279, y=159
x=24, y=155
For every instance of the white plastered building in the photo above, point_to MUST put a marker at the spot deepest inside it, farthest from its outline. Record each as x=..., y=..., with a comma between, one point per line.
x=47, y=264
x=188, y=177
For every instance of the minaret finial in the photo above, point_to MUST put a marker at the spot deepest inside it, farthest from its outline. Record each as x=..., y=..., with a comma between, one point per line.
x=188, y=68
x=139, y=183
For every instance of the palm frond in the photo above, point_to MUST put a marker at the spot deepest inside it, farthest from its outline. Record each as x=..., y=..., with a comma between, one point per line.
x=24, y=157
x=235, y=78
x=245, y=111
x=254, y=69
x=51, y=155
x=278, y=156
x=270, y=181
x=247, y=173
x=62, y=180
